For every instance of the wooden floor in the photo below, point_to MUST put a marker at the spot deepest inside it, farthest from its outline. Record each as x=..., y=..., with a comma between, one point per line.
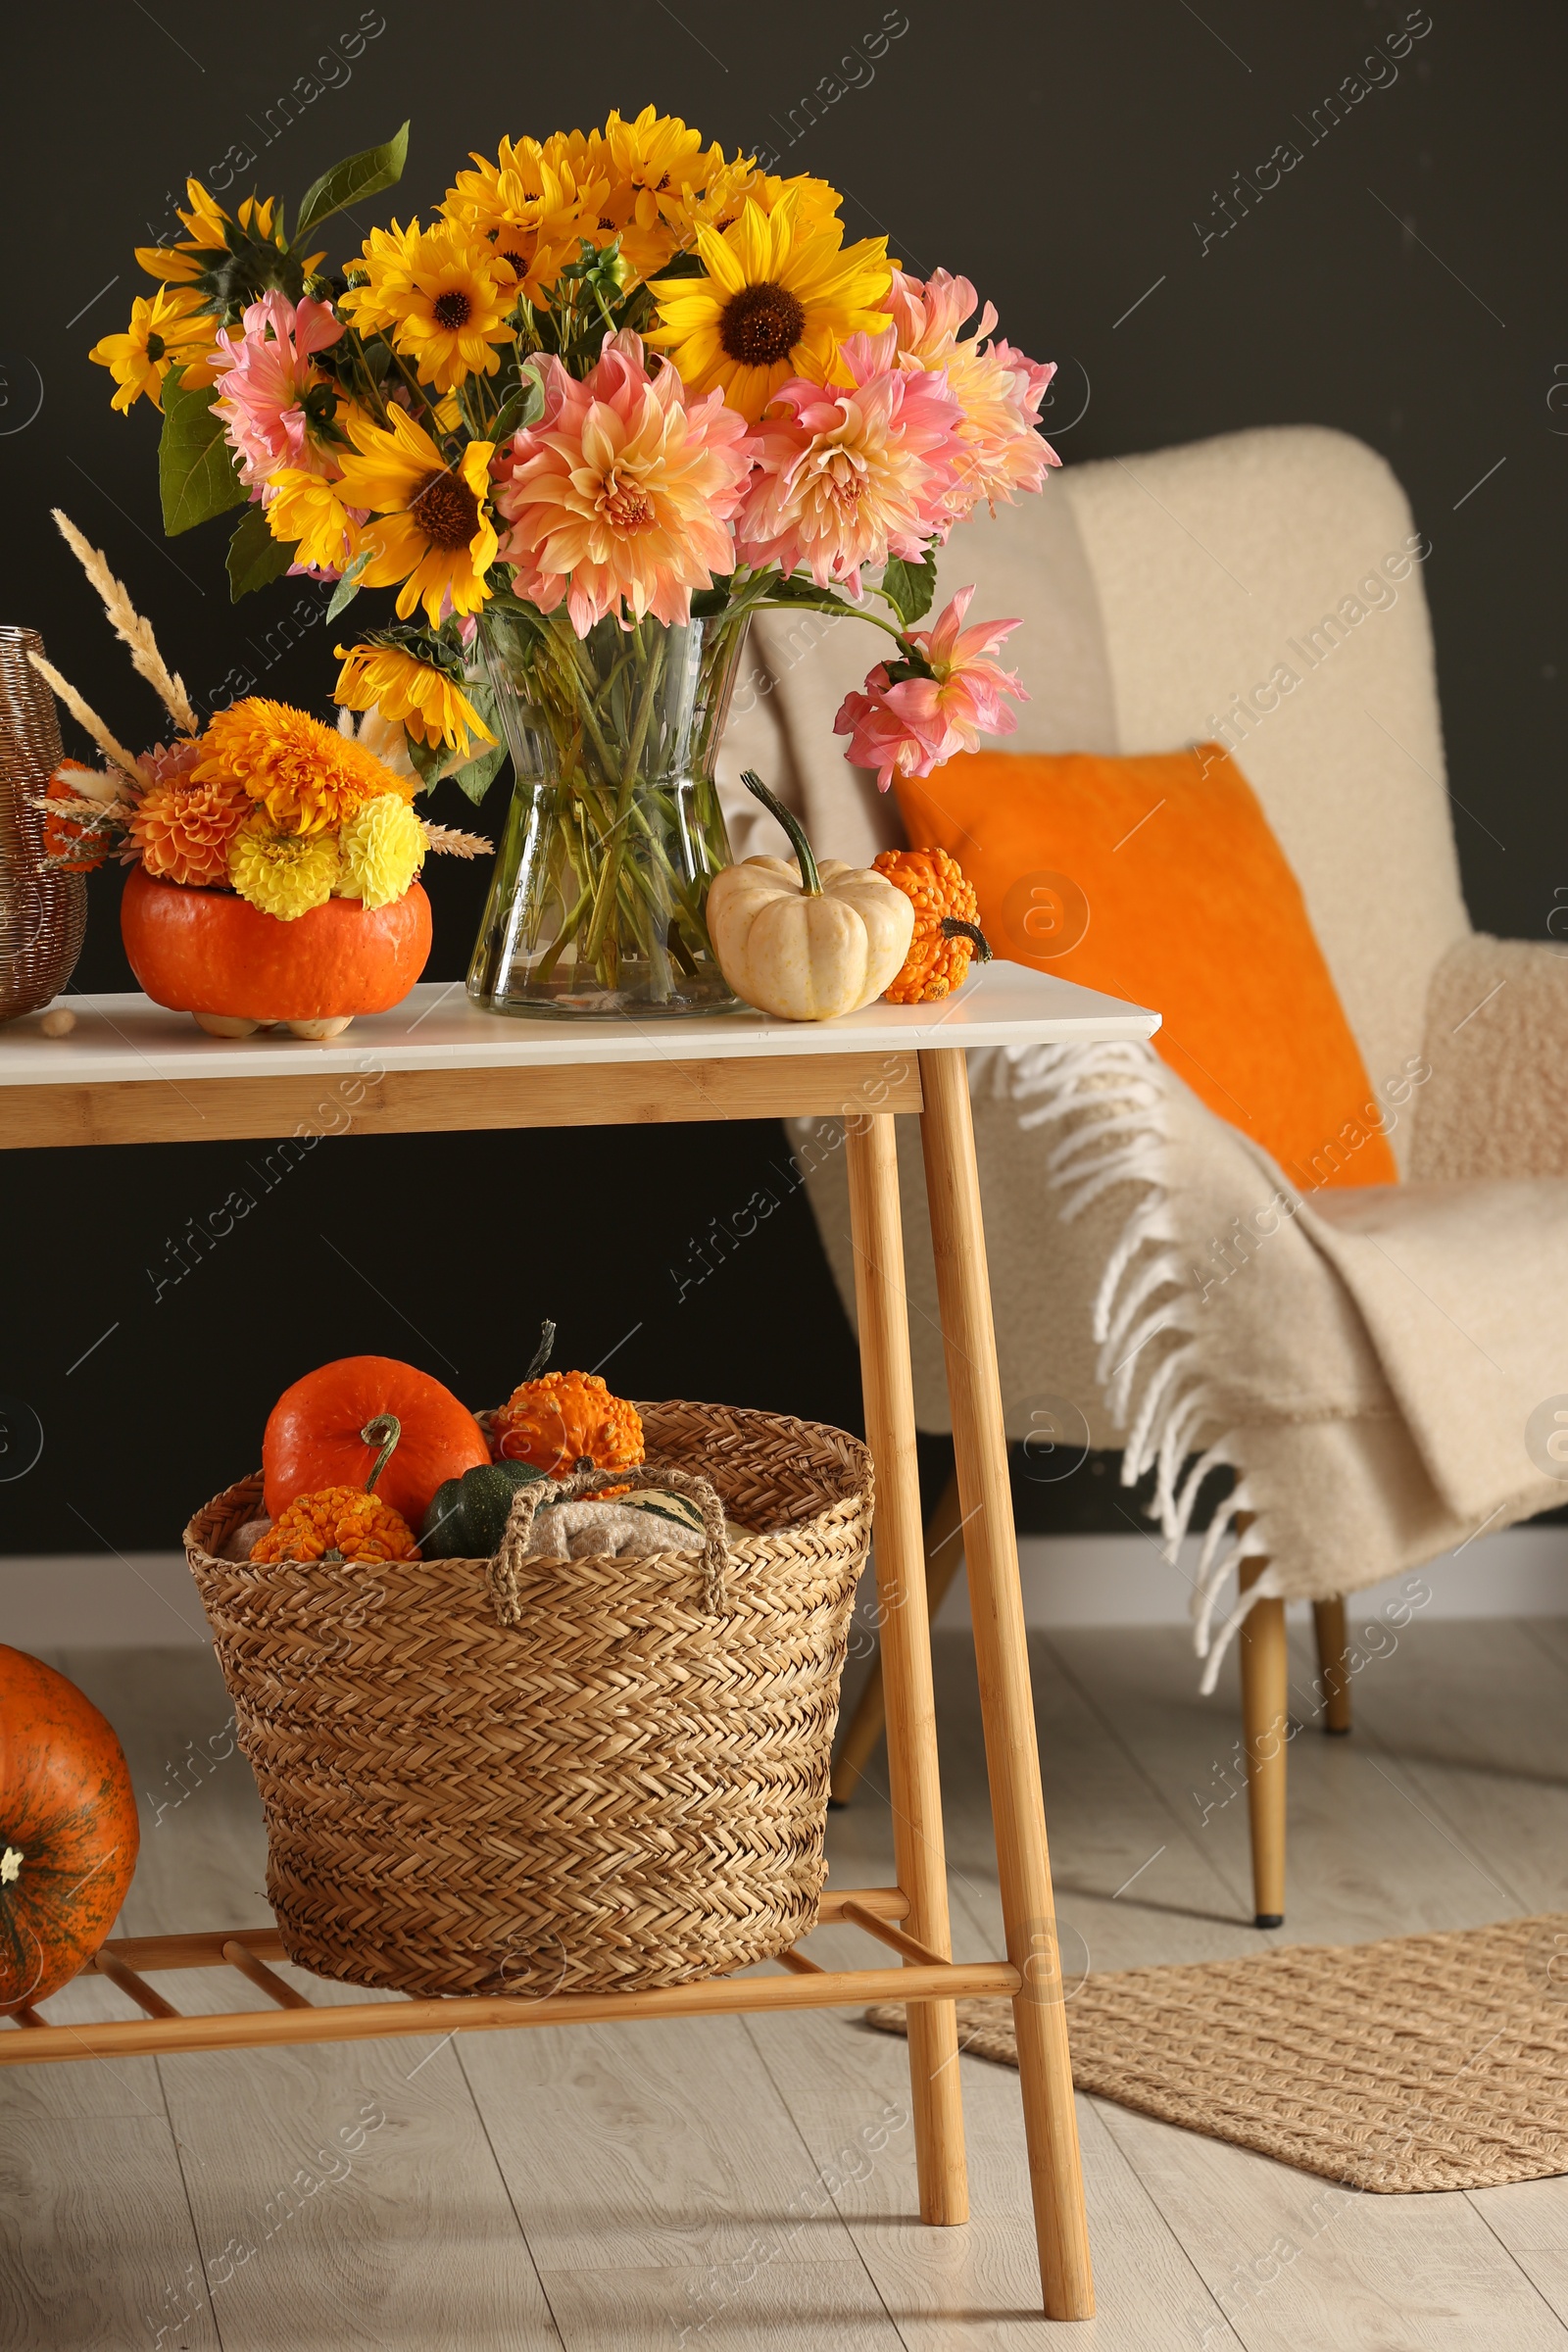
x=747, y=2182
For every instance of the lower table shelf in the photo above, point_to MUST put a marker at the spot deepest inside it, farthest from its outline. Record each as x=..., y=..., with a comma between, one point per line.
x=127, y=1962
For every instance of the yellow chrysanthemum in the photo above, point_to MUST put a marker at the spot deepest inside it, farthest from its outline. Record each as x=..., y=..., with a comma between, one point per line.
x=424, y=700
x=169, y=328
x=207, y=223
x=382, y=848
x=309, y=512
x=778, y=296
x=533, y=206
x=284, y=874
x=433, y=532
x=442, y=295
x=307, y=776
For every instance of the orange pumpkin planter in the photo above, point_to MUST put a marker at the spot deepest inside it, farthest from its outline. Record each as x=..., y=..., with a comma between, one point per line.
x=946, y=924
x=68, y=1829
x=214, y=954
x=313, y=1435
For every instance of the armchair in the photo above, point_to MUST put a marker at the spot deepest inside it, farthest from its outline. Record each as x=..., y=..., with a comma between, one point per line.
x=1371, y=1363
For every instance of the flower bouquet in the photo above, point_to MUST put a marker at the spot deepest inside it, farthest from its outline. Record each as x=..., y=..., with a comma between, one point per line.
x=621, y=394
x=276, y=858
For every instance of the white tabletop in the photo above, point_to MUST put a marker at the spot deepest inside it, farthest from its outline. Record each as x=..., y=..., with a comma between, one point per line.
x=121, y=1038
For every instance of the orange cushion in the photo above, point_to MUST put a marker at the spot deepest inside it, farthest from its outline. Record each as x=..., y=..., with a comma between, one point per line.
x=1159, y=879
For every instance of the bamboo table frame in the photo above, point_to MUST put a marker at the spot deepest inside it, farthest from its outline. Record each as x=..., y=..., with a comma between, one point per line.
x=133, y=1074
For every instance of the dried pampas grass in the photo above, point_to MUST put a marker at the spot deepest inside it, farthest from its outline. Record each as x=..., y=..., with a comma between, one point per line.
x=85, y=716
x=449, y=843
x=130, y=626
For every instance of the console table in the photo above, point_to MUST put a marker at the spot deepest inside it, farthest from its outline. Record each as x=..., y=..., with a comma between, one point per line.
x=131, y=1072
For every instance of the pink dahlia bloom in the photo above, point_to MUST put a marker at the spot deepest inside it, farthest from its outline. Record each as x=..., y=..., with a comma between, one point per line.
x=622, y=492
x=911, y=728
x=849, y=476
x=998, y=389
x=263, y=376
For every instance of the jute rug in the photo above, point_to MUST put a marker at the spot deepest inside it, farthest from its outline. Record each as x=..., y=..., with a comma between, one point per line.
x=1421, y=2062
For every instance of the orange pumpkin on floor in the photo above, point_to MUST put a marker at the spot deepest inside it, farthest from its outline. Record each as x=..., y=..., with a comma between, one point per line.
x=68, y=1829
x=313, y=1437
x=207, y=950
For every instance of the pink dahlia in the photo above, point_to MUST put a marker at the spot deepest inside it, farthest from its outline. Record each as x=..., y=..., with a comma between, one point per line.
x=909, y=728
x=998, y=389
x=263, y=377
x=622, y=491
x=850, y=475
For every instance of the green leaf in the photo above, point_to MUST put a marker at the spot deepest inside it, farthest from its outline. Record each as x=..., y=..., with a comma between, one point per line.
x=428, y=759
x=349, y=181
x=476, y=778
x=524, y=407
x=255, y=557
x=347, y=587
x=196, y=475
x=910, y=587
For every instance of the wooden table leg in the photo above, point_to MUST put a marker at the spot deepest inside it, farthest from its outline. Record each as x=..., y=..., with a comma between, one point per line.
x=944, y=1558
x=1002, y=1656
x=913, y=1784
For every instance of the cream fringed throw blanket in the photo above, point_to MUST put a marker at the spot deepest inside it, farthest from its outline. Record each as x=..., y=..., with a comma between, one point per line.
x=1365, y=1363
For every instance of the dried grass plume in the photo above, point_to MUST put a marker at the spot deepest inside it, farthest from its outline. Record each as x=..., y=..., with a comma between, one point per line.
x=85, y=716
x=130, y=626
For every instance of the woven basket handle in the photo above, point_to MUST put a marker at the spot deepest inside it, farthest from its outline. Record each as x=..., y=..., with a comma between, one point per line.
x=540, y=1492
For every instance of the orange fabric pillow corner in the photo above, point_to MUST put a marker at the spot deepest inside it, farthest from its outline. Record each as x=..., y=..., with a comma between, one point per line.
x=1159, y=878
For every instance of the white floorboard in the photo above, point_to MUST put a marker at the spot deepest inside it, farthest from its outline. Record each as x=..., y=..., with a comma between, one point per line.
x=749, y=2182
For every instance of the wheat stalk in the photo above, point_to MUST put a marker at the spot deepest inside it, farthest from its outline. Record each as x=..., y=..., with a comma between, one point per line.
x=129, y=628
x=85, y=716
x=449, y=843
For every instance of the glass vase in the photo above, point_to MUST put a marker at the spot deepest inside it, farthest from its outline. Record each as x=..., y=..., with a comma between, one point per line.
x=598, y=902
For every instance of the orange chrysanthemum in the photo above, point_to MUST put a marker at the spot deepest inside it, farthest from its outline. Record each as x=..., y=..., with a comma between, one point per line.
x=181, y=831
x=307, y=776
x=566, y=1421
x=341, y=1519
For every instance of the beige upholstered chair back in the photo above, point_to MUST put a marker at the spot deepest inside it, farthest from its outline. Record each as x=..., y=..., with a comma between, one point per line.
x=1264, y=588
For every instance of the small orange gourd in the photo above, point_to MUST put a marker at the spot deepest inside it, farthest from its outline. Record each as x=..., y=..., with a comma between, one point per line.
x=946, y=924
x=343, y=1523
x=566, y=1421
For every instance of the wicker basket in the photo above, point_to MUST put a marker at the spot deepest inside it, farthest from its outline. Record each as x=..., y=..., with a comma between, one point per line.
x=536, y=1775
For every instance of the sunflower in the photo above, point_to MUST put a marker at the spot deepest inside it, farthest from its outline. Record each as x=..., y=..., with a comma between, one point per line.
x=779, y=295
x=649, y=164
x=382, y=848
x=433, y=533
x=533, y=206
x=718, y=206
x=284, y=874
x=207, y=242
x=309, y=513
x=169, y=328
x=428, y=701
x=442, y=295
x=307, y=776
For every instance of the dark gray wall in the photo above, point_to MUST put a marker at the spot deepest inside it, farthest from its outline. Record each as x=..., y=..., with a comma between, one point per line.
x=1113, y=178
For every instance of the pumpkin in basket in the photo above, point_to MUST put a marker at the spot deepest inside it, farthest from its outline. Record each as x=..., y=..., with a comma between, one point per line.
x=565, y=1421
x=344, y=1522
x=68, y=1829
x=315, y=1435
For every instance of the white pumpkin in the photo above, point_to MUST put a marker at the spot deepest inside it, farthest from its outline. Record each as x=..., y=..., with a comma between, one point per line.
x=803, y=941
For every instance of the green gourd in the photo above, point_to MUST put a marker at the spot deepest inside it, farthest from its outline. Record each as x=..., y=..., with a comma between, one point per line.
x=468, y=1516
